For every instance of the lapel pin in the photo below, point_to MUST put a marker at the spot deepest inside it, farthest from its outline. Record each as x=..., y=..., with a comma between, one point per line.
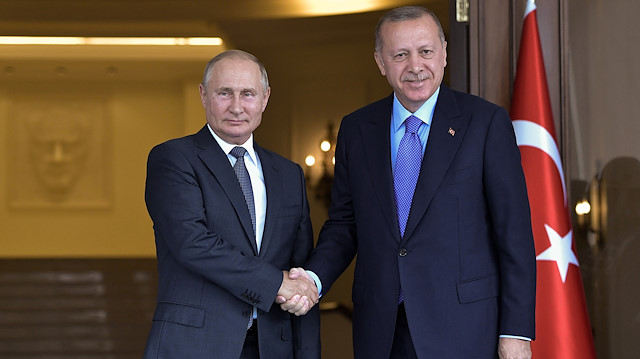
x=452, y=132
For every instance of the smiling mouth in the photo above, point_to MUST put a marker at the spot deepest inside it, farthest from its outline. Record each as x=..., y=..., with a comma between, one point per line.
x=415, y=84
x=416, y=79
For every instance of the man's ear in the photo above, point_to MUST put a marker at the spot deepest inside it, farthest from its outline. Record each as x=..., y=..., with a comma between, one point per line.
x=380, y=63
x=266, y=98
x=444, y=49
x=203, y=95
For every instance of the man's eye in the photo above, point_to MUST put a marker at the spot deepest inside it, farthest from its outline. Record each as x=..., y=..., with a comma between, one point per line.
x=427, y=53
x=400, y=56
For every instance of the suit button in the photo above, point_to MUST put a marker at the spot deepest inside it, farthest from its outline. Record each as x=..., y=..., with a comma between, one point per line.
x=403, y=252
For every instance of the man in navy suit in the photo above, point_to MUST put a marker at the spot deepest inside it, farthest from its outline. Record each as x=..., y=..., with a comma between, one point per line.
x=450, y=272
x=229, y=218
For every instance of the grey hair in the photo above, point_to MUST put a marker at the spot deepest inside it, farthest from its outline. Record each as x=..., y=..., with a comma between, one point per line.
x=238, y=54
x=405, y=13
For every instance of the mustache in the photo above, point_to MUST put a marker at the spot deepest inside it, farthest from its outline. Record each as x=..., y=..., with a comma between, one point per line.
x=415, y=77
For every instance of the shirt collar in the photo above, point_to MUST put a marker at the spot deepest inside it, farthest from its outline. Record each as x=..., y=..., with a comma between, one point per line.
x=424, y=113
x=227, y=147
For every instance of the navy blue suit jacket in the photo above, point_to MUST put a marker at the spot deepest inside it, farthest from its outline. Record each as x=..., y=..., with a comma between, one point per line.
x=467, y=261
x=210, y=273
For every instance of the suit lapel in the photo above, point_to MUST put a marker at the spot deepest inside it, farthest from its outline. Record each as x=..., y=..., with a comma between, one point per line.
x=274, y=195
x=376, y=137
x=218, y=163
x=440, y=151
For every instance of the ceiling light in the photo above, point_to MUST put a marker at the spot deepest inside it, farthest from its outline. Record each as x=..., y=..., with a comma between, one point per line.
x=332, y=7
x=144, y=41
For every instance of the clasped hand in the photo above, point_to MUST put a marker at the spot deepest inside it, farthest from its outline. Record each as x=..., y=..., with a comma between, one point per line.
x=298, y=292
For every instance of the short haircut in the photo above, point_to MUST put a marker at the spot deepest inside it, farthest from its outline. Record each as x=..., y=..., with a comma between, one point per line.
x=238, y=54
x=405, y=13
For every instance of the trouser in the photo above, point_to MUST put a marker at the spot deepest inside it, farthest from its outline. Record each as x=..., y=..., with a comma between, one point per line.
x=402, y=347
x=250, y=348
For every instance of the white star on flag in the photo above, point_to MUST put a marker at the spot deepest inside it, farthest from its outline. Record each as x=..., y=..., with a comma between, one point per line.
x=560, y=251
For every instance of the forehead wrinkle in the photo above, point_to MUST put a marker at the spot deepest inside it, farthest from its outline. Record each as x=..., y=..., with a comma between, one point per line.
x=231, y=89
x=409, y=31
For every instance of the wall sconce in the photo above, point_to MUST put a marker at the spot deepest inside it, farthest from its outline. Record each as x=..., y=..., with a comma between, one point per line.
x=583, y=205
x=588, y=206
x=322, y=185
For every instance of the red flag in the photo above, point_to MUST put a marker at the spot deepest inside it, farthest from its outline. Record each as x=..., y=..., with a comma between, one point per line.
x=563, y=330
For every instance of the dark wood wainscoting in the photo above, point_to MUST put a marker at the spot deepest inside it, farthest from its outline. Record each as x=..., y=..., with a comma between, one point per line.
x=76, y=308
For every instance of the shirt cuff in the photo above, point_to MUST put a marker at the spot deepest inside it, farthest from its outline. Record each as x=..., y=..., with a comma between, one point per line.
x=516, y=337
x=317, y=280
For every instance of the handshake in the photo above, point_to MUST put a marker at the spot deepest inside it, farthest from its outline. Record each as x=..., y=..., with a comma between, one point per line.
x=298, y=292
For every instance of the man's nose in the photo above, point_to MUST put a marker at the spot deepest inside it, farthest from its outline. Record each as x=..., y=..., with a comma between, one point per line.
x=236, y=105
x=415, y=63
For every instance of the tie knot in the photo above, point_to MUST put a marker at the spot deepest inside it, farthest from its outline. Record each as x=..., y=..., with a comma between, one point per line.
x=238, y=151
x=412, y=123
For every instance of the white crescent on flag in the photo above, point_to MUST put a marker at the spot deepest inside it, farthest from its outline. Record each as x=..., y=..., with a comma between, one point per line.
x=532, y=134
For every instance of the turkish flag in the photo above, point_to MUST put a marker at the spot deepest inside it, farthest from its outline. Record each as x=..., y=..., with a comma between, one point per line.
x=562, y=322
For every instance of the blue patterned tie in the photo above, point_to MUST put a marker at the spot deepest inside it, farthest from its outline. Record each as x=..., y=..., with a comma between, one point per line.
x=406, y=173
x=407, y=169
x=245, y=181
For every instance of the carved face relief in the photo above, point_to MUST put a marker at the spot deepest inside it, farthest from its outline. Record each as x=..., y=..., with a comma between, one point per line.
x=58, y=149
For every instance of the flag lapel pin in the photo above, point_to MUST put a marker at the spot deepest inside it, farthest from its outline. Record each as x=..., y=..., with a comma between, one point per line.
x=452, y=132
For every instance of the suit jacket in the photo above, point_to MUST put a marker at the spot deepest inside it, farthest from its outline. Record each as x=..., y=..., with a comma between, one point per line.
x=210, y=273
x=467, y=261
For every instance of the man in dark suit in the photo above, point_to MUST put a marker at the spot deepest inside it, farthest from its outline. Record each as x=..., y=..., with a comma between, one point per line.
x=430, y=194
x=229, y=217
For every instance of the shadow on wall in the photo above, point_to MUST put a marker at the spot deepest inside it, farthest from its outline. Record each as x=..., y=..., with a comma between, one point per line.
x=608, y=241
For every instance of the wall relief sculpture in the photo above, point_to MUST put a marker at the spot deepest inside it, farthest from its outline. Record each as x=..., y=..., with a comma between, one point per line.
x=58, y=151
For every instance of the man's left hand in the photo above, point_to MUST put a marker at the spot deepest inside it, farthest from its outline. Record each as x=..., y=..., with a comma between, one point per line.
x=513, y=348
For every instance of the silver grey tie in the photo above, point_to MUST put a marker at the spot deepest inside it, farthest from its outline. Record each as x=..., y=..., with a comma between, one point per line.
x=245, y=182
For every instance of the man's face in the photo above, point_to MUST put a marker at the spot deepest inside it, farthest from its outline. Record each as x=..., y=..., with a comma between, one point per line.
x=413, y=59
x=234, y=99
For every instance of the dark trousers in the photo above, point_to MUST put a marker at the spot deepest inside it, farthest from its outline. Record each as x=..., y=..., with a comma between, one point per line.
x=250, y=348
x=402, y=347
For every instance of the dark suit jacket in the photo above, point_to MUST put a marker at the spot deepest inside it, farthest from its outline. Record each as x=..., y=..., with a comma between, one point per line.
x=210, y=274
x=466, y=263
